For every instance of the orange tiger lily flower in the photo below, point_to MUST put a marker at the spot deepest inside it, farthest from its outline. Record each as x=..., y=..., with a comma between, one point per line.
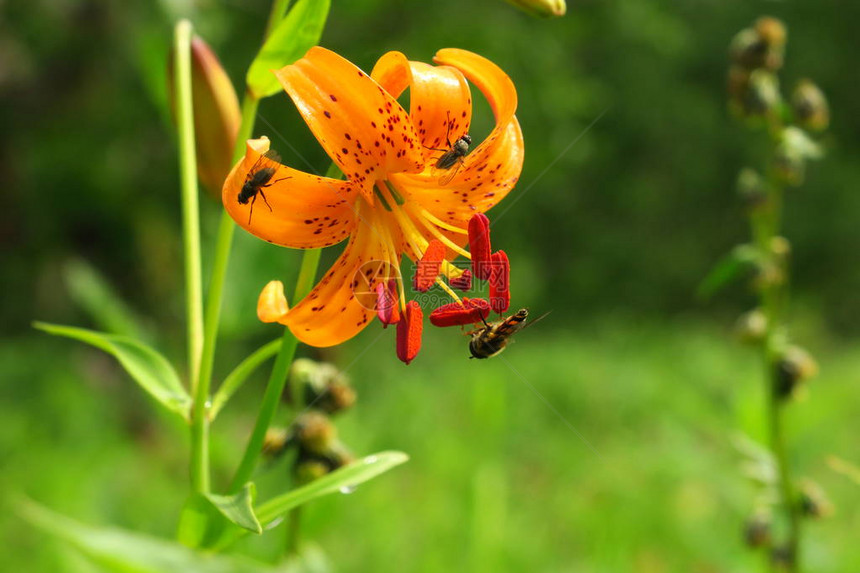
x=393, y=201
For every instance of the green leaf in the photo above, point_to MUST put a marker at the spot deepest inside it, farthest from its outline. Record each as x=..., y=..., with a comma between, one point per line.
x=344, y=479
x=237, y=377
x=148, y=368
x=845, y=468
x=730, y=267
x=238, y=508
x=125, y=551
x=91, y=290
x=297, y=33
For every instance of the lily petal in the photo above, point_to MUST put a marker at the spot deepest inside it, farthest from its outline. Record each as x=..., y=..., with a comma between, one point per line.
x=496, y=86
x=360, y=125
x=440, y=100
x=307, y=211
x=476, y=188
x=344, y=300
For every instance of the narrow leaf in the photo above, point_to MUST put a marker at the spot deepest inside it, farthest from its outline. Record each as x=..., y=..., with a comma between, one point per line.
x=237, y=377
x=344, y=479
x=727, y=269
x=124, y=551
x=148, y=368
x=238, y=508
x=92, y=291
x=297, y=33
x=845, y=468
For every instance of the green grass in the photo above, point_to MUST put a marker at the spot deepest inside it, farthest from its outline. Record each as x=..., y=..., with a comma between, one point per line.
x=601, y=449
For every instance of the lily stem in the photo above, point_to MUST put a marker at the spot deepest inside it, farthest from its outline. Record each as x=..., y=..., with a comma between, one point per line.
x=205, y=349
x=191, y=242
x=277, y=379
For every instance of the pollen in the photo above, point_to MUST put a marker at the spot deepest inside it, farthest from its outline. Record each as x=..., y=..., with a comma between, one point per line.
x=479, y=245
x=500, y=282
x=472, y=310
x=409, y=332
x=429, y=265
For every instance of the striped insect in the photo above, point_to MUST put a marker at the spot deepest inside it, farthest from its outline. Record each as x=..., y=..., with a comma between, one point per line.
x=493, y=337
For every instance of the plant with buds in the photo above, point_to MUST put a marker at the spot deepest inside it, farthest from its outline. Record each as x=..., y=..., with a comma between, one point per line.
x=757, y=55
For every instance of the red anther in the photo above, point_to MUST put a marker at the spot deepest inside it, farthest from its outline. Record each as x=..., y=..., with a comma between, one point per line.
x=454, y=314
x=500, y=282
x=386, y=302
x=429, y=265
x=479, y=245
x=463, y=282
x=409, y=332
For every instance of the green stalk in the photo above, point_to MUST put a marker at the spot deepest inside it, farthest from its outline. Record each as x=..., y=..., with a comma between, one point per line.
x=277, y=379
x=188, y=184
x=191, y=241
x=223, y=245
x=773, y=300
x=215, y=296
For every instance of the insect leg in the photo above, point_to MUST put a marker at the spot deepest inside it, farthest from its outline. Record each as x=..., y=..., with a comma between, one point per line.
x=264, y=199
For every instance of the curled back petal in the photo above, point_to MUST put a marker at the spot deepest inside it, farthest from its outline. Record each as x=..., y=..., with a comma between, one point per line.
x=344, y=300
x=360, y=125
x=440, y=101
x=496, y=86
x=307, y=211
x=392, y=72
x=476, y=188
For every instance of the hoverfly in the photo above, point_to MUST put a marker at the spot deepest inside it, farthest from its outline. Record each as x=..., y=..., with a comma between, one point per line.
x=452, y=158
x=258, y=178
x=490, y=339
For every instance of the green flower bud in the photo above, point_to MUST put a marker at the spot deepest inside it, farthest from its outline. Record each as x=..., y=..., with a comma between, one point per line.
x=772, y=32
x=794, y=149
x=338, y=455
x=757, y=529
x=542, y=8
x=751, y=327
x=309, y=470
x=762, y=97
x=216, y=115
x=782, y=558
x=762, y=46
x=315, y=432
x=813, y=501
x=780, y=248
x=302, y=372
x=335, y=397
x=748, y=49
x=276, y=442
x=810, y=106
x=752, y=190
x=795, y=366
x=768, y=273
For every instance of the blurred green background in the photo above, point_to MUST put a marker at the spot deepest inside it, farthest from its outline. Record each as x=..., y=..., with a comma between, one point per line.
x=602, y=440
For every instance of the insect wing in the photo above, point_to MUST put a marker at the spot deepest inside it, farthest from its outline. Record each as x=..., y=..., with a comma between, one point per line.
x=448, y=175
x=270, y=159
